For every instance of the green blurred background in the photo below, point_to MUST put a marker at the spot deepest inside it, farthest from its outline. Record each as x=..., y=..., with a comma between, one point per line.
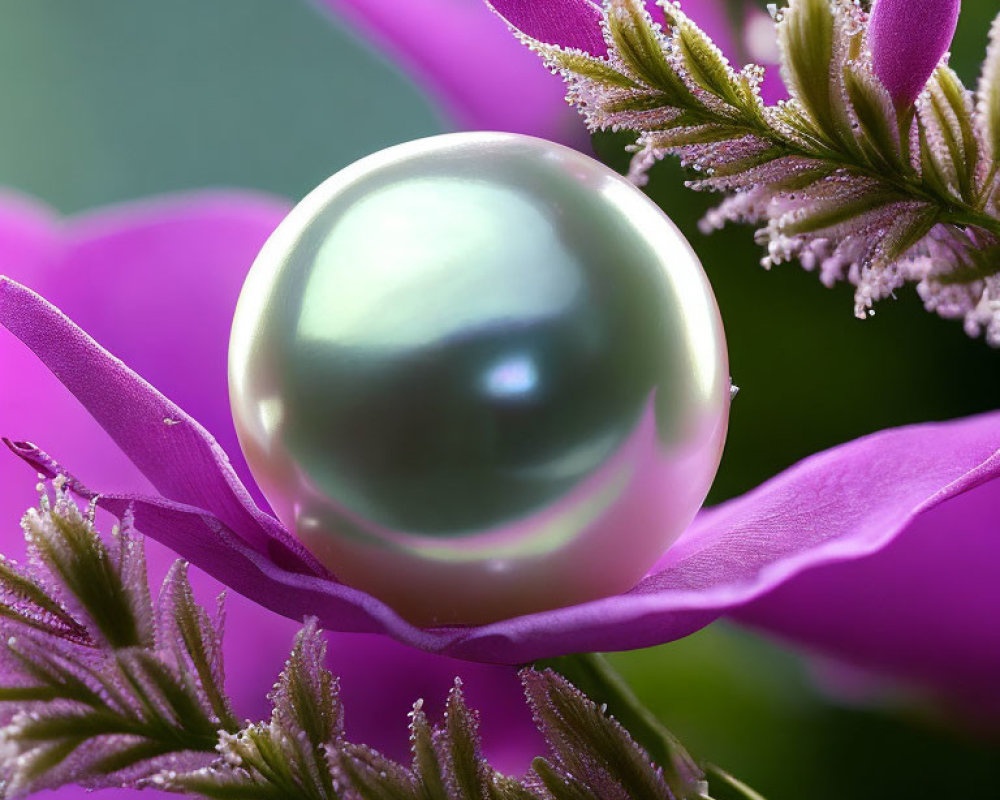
x=109, y=100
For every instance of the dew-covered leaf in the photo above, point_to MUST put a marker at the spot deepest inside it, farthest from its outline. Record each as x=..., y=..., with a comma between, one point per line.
x=876, y=115
x=65, y=545
x=705, y=63
x=806, y=39
x=945, y=114
x=587, y=66
x=635, y=39
x=290, y=756
x=87, y=695
x=593, y=756
x=836, y=211
x=25, y=601
x=186, y=629
x=841, y=135
x=911, y=231
x=988, y=106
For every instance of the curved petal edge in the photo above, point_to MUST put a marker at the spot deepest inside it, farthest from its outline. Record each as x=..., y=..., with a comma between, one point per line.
x=846, y=503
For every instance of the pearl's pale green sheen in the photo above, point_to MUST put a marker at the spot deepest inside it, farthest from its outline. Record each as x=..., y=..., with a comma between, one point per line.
x=480, y=375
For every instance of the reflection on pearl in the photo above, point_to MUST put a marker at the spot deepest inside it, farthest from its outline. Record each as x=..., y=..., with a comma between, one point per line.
x=480, y=375
x=514, y=376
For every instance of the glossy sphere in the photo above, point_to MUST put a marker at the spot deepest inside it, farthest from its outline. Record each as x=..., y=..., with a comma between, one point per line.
x=480, y=375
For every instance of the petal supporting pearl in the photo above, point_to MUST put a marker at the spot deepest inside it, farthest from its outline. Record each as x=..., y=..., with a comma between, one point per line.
x=480, y=375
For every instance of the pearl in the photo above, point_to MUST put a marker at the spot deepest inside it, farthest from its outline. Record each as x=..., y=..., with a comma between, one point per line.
x=480, y=375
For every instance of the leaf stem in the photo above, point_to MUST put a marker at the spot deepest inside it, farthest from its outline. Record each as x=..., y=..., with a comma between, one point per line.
x=595, y=677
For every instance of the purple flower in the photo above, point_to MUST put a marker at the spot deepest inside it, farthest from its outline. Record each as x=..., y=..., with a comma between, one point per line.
x=908, y=39
x=130, y=275
x=880, y=550
x=480, y=74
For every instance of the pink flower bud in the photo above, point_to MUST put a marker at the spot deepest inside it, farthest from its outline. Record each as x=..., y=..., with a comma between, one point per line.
x=907, y=40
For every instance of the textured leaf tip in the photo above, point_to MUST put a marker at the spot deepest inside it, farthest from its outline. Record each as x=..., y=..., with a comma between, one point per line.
x=908, y=38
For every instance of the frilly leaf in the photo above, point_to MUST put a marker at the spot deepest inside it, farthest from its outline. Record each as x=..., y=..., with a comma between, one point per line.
x=878, y=129
x=844, y=177
x=593, y=755
x=633, y=34
x=945, y=114
x=289, y=756
x=195, y=640
x=988, y=93
x=82, y=708
x=24, y=601
x=87, y=695
x=806, y=40
x=100, y=586
x=705, y=63
x=588, y=67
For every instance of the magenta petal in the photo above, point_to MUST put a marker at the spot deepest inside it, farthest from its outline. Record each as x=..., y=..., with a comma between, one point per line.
x=907, y=40
x=203, y=540
x=177, y=455
x=567, y=23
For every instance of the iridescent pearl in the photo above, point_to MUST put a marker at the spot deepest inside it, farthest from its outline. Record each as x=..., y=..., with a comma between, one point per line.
x=480, y=375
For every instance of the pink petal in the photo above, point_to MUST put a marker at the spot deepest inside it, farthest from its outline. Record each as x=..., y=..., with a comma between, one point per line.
x=574, y=24
x=848, y=503
x=907, y=39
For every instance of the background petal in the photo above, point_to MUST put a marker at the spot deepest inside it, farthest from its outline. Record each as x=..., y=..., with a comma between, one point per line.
x=478, y=72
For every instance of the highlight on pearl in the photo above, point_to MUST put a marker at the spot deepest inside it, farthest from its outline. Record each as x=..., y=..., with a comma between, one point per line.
x=480, y=375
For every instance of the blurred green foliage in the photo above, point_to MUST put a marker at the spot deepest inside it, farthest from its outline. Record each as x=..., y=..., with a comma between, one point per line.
x=108, y=100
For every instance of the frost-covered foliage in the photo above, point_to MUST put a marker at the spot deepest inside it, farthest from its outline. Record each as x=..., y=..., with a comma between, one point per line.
x=847, y=176
x=102, y=686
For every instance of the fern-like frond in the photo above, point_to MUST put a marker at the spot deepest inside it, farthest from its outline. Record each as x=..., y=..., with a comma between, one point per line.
x=841, y=176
